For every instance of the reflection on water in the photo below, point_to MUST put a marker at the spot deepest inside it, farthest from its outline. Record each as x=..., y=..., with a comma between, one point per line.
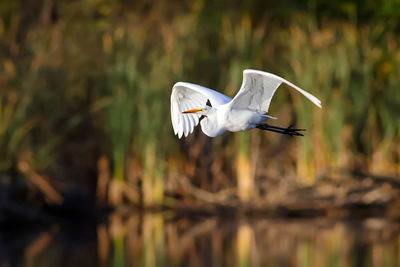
x=164, y=239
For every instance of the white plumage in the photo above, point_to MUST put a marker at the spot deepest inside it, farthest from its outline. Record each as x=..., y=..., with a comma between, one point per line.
x=245, y=111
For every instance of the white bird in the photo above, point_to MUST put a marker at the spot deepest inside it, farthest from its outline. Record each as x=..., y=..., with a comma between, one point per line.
x=245, y=111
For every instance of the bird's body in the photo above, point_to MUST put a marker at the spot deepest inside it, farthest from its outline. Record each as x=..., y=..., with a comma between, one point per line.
x=244, y=112
x=224, y=118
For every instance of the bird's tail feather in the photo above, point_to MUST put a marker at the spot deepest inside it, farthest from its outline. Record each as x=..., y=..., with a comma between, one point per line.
x=267, y=117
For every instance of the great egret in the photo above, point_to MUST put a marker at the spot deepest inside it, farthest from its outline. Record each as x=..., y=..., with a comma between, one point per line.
x=245, y=111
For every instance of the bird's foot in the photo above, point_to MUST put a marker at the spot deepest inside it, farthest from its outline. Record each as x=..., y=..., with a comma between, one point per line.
x=293, y=131
x=289, y=130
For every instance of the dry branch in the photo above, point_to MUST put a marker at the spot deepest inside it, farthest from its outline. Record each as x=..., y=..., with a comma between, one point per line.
x=219, y=197
x=51, y=194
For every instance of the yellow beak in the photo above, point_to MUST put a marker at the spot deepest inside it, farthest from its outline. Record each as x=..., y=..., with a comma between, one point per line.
x=193, y=110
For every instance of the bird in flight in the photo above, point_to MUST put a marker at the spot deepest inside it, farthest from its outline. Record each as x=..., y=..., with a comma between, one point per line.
x=217, y=113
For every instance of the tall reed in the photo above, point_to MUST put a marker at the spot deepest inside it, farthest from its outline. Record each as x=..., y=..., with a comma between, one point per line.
x=354, y=78
x=100, y=75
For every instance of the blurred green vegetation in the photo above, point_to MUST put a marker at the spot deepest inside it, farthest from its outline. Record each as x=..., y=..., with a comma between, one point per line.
x=85, y=79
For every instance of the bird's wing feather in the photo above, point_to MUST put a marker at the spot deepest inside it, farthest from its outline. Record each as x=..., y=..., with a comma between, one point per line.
x=258, y=88
x=186, y=96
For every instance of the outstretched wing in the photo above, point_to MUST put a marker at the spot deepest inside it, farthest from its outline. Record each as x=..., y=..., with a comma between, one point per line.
x=186, y=96
x=258, y=88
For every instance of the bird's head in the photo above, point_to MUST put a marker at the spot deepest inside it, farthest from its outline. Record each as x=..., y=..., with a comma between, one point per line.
x=201, y=111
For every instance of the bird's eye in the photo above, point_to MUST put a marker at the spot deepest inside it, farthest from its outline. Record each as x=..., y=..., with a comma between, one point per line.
x=208, y=103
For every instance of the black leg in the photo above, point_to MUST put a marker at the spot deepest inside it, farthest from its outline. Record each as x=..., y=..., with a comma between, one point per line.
x=289, y=130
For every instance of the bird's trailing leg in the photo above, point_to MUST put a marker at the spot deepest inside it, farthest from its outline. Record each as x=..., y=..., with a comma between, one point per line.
x=289, y=130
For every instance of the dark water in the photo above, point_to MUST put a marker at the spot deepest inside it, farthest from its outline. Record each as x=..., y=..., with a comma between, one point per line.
x=164, y=239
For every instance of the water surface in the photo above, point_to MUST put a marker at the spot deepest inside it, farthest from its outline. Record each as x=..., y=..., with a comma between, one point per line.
x=164, y=239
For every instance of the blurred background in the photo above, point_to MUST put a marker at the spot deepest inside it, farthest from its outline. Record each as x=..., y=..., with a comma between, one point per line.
x=89, y=161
